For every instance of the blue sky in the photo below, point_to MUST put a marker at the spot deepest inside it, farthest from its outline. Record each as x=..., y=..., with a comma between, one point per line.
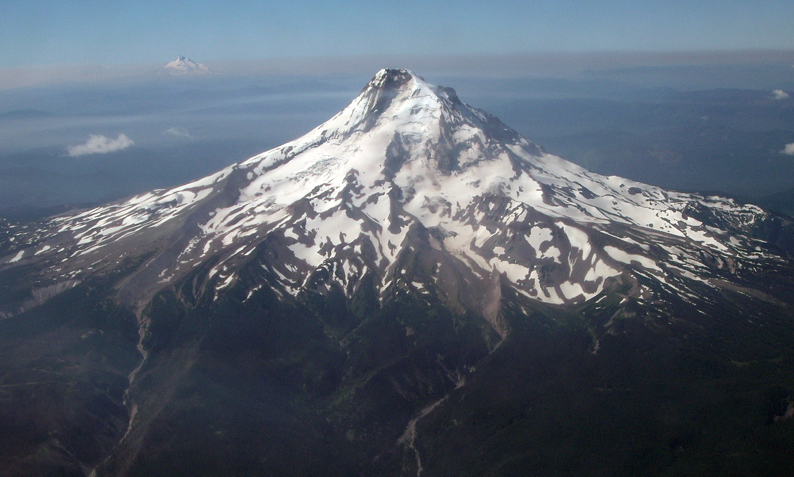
x=46, y=32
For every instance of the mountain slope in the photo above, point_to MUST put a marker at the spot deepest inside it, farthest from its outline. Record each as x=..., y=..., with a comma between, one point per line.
x=349, y=290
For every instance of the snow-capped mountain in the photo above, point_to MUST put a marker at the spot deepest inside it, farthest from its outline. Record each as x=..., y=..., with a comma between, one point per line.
x=183, y=66
x=407, y=199
x=407, y=165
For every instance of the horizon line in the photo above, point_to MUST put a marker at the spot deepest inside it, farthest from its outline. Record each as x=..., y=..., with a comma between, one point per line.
x=543, y=63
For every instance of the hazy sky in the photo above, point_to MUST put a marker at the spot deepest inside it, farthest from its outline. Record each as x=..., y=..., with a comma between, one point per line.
x=47, y=32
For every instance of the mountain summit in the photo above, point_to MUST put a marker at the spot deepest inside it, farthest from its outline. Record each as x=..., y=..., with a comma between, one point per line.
x=410, y=261
x=183, y=66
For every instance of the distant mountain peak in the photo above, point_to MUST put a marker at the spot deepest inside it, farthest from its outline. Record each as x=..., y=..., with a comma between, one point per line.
x=183, y=65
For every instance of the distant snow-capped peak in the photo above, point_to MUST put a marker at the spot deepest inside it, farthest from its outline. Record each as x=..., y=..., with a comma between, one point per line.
x=185, y=66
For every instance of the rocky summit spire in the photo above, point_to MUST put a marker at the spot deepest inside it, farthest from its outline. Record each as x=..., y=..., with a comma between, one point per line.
x=389, y=78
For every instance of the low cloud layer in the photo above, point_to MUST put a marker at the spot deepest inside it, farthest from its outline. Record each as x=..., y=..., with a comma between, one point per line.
x=98, y=144
x=780, y=94
x=788, y=150
x=178, y=132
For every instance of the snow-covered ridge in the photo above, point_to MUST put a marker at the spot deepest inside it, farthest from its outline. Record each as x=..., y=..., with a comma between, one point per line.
x=404, y=155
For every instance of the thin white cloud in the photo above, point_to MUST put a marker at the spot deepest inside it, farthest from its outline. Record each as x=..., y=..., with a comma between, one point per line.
x=788, y=150
x=780, y=94
x=178, y=132
x=98, y=144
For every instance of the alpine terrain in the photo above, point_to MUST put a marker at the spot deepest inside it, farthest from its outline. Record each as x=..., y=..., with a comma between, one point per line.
x=411, y=288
